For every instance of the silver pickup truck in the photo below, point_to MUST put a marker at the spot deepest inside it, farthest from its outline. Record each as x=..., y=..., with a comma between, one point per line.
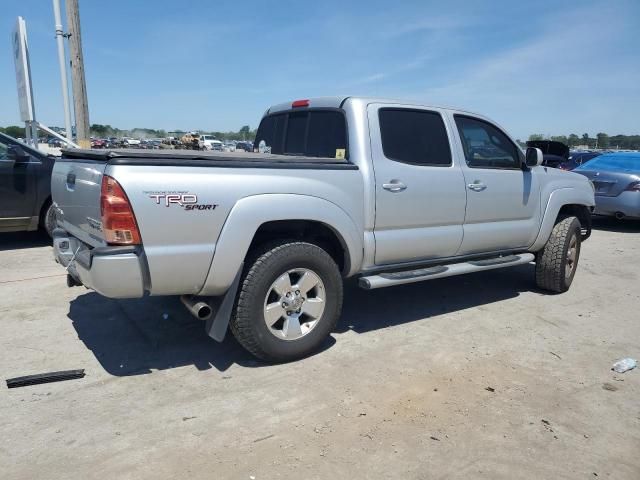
x=387, y=191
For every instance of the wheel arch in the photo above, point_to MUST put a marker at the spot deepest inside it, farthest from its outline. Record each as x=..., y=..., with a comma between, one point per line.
x=582, y=212
x=256, y=219
x=564, y=201
x=312, y=231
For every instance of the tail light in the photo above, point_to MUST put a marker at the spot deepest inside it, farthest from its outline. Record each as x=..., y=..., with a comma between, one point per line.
x=300, y=103
x=118, y=221
x=633, y=187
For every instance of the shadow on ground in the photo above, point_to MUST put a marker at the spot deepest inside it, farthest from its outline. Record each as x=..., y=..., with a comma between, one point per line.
x=16, y=240
x=367, y=310
x=135, y=337
x=610, y=224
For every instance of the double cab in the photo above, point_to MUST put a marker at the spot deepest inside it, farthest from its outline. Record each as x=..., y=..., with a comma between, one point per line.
x=387, y=191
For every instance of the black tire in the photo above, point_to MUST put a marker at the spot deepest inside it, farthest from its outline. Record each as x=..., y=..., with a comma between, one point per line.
x=554, y=268
x=48, y=220
x=263, y=268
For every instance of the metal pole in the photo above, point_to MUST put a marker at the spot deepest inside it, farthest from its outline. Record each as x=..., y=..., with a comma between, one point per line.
x=55, y=134
x=80, y=104
x=63, y=69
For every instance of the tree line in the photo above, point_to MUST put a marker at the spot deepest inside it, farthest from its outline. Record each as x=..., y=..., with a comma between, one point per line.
x=13, y=131
x=601, y=140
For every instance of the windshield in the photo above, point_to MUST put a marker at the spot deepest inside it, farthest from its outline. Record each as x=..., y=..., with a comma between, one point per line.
x=6, y=140
x=614, y=161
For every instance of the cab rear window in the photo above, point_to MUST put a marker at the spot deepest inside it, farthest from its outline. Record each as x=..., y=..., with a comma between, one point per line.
x=312, y=133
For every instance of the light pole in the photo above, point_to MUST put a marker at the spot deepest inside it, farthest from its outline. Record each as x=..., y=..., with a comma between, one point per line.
x=63, y=69
x=78, y=84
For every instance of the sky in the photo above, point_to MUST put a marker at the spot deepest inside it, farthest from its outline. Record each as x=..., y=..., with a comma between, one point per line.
x=550, y=67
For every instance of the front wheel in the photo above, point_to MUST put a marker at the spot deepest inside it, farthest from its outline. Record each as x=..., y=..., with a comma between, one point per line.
x=48, y=219
x=557, y=262
x=289, y=301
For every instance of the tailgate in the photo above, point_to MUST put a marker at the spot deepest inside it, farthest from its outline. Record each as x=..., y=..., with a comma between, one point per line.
x=75, y=189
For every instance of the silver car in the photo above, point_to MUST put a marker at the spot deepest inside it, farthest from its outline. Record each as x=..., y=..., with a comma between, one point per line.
x=616, y=180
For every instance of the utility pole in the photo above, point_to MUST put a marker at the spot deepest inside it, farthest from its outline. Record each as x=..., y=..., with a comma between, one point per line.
x=80, y=105
x=63, y=69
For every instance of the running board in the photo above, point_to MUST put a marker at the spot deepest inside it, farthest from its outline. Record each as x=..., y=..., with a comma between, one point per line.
x=390, y=279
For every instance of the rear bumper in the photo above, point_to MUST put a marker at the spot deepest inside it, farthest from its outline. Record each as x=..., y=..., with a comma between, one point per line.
x=115, y=272
x=627, y=203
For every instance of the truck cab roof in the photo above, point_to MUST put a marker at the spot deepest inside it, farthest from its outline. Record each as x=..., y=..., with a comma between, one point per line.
x=338, y=101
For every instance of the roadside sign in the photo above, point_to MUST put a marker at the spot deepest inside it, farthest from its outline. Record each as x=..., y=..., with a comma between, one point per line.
x=23, y=71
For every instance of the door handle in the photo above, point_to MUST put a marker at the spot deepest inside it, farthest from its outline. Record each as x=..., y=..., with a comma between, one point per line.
x=477, y=186
x=394, y=186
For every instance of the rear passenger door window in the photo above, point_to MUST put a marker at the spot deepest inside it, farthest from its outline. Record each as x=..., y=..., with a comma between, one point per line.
x=416, y=137
x=485, y=146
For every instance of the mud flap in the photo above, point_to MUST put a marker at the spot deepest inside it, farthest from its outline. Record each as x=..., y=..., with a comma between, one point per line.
x=216, y=327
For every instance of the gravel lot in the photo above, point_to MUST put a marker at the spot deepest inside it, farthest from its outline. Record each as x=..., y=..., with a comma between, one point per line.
x=478, y=376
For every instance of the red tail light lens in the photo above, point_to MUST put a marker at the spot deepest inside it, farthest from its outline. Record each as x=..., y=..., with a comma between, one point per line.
x=118, y=221
x=633, y=187
x=300, y=103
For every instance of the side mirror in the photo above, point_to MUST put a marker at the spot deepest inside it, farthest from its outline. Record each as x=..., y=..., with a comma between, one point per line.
x=533, y=157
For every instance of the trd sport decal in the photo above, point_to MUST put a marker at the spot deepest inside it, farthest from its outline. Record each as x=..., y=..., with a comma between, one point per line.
x=188, y=201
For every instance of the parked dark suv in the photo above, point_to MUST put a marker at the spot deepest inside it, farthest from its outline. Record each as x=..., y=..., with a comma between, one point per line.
x=578, y=158
x=246, y=146
x=25, y=187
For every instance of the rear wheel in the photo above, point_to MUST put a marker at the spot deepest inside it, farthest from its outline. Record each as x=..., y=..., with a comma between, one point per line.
x=557, y=262
x=289, y=301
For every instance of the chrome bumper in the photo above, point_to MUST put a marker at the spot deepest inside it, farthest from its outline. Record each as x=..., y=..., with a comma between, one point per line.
x=115, y=272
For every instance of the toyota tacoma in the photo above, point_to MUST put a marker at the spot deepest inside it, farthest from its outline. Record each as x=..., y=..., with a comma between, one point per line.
x=390, y=192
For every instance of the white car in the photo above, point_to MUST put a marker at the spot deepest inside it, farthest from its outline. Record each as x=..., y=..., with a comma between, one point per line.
x=130, y=142
x=229, y=147
x=209, y=142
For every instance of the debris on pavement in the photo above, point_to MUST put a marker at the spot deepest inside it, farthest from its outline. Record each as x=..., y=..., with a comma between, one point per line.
x=263, y=438
x=624, y=365
x=490, y=389
x=44, y=378
x=609, y=387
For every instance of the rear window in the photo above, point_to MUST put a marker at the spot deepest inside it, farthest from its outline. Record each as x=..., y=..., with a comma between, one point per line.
x=313, y=133
x=416, y=137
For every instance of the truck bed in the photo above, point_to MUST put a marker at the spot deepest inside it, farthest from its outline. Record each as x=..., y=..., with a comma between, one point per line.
x=205, y=159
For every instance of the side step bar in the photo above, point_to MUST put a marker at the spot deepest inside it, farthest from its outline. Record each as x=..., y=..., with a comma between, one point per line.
x=382, y=280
